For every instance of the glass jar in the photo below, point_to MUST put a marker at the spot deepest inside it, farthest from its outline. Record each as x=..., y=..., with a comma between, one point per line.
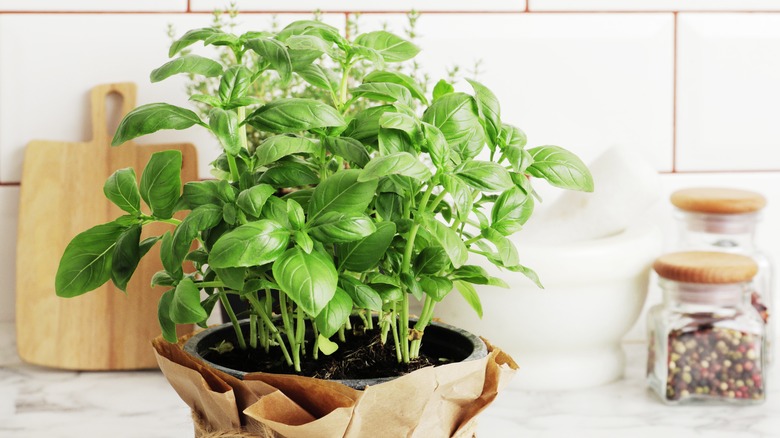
x=706, y=341
x=724, y=220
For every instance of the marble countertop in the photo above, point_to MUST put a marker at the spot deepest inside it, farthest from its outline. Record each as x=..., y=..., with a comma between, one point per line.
x=37, y=402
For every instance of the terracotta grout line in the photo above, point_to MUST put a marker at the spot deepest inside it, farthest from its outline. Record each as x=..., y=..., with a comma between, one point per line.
x=9, y=184
x=527, y=10
x=674, y=96
x=527, y=6
x=189, y=5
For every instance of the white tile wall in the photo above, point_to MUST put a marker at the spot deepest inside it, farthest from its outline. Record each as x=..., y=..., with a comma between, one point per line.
x=45, y=81
x=93, y=5
x=653, y=5
x=582, y=81
x=364, y=5
x=728, y=90
x=9, y=201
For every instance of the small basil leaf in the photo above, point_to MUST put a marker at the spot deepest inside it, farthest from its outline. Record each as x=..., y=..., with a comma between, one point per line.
x=252, y=200
x=469, y=294
x=192, y=64
x=185, y=306
x=121, y=188
x=335, y=314
x=127, y=254
x=560, y=168
x=161, y=183
x=392, y=47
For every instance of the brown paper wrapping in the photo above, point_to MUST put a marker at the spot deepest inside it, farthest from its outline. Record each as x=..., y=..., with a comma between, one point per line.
x=431, y=402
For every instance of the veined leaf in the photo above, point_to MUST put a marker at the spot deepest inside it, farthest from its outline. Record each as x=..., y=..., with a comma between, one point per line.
x=511, y=211
x=192, y=64
x=278, y=146
x=294, y=115
x=342, y=192
x=199, y=219
x=560, y=168
x=456, y=115
x=234, y=84
x=252, y=244
x=275, y=53
x=153, y=117
x=489, y=110
x=383, y=91
x=161, y=183
x=347, y=148
x=362, y=295
x=392, y=47
x=191, y=37
x=365, y=253
x=469, y=294
x=86, y=262
x=167, y=326
x=400, y=163
x=485, y=176
x=338, y=227
x=185, y=306
x=127, y=254
x=335, y=314
x=121, y=189
x=308, y=279
x=224, y=125
x=400, y=79
x=449, y=240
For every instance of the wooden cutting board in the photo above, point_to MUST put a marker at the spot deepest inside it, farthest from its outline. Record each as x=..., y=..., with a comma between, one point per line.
x=61, y=196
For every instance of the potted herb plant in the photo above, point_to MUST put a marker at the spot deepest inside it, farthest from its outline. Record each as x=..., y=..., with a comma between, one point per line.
x=328, y=228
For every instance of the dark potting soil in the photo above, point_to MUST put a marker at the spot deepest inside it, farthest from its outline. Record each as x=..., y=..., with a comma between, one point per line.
x=362, y=356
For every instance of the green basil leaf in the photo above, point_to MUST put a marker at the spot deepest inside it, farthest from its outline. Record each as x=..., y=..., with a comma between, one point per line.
x=392, y=47
x=310, y=27
x=185, y=305
x=208, y=100
x=190, y=38
x=302, y=197
x=232, y=277
x=147, y=244
x=121, y=188
x=197, y=193
x=253, y=244
x=335, y=314
x=199, y=219
x=456, y=115
x=170, y=263
x=412, y=285
x=442, y=88
x=278, y=146
x=309, y=43
x=234, y=84
x=224, y=125
x=252, y=200
x=192, y=64
x=364, y=127
x=276, y=210
x=304, y=241
x=384, y=92
x=507, y=252
x=289, y=174
x=337, y=227
x=162, y=278
x=512, y=136
x=461, y=195
x=347, y=148
x=400, y=79
x=161, y=183
x=295, y=214
x=389, y=293
x=560, y=168
x=86, y=262
x=469, y=294
x=208, y=306
x=485, y=176
x=153, y=117
x=127, y=254
x=437, y=146
x=275, y=53
x=511, y=210
x=230, y=213
x=472, y=274
x=369, y=54
x=167, y=326
x=315, y=75
x=393, y=141
x=308, y=279
x=294, y=115
x=400, y=163
x=431, y=260
x=362, y=295
x=449, y=240
x=364, y=254
x=389, y=206
x=436, y=287
x=222, y=39
x=342, y=192
x=402, y=122
x=326, y=346
x=489, y=110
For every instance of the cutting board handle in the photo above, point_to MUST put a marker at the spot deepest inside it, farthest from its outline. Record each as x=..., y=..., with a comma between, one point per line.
x=126, y=91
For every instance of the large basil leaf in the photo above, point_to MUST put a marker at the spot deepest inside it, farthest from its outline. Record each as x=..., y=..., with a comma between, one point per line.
x=190, y=38
x=224, y=125
x=392, y=141
x=192, y=64
x=127, y=254
x=510, y=211
x=560, y=168
x=347, y=148
x=335, y=314
x=280, y=146
x=153, y=117
x=364, y=254
x=485, y=176
x=489, y=110
x=400, y=163
x=400, y=79
x=253, y=244
x=383, y=91
x=315, y=75
x=456, y=115
x=392, y=47
x=291, y=115
x=199, y=219
x=449, y=240
x=185, y=305
x=342, y=192
x=308, y=279
x=338, y=227
x=197, y=193
x=362, y=295
x=289, y=174
x=252, y=200
x=161, y=183
x=121, y=189
x=275, y=53
x=86, y=262
x=431, y=260
x=234, y=84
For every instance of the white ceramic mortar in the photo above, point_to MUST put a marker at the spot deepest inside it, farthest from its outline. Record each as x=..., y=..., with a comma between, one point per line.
x=568, y=335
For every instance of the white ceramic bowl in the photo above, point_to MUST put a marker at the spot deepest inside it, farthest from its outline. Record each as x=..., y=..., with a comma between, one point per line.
x=567, y=335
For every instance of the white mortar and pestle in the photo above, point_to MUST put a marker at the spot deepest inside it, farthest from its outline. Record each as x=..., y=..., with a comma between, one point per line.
x=592, y=253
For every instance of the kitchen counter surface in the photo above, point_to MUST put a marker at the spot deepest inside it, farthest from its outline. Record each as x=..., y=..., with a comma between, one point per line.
x=37, y=402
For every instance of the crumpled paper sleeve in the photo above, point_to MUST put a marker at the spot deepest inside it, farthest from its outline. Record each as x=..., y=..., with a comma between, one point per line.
x=428, y=403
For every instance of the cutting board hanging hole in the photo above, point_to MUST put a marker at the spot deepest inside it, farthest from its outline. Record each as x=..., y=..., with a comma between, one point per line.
x=110, y=103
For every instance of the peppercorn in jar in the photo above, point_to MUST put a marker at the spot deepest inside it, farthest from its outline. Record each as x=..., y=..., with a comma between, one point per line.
x=706, y=341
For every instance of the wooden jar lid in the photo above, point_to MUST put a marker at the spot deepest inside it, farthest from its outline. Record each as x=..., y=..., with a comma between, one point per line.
x=718, y=200
x=706, y=267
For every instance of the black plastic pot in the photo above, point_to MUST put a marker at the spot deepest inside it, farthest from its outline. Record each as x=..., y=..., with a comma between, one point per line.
x=445, y=340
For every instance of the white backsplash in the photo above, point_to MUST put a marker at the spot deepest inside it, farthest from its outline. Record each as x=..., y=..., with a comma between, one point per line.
x=586, y=77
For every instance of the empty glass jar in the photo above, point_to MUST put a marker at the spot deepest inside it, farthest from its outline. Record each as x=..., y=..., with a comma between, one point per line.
x=706, y=341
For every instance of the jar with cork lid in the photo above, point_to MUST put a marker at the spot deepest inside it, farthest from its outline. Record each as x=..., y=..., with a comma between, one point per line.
x=706, y=340
x=725, y=220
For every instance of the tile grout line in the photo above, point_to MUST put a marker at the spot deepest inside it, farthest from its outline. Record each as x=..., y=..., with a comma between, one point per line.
x=189, y=5
x=674, y=96
x=479, y=12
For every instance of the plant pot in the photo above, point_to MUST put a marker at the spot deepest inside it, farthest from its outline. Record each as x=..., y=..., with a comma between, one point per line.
x=567, y=335
x=441, y=341
x=441, y=401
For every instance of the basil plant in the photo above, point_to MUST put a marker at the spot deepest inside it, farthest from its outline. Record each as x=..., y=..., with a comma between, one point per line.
x=330, y=216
